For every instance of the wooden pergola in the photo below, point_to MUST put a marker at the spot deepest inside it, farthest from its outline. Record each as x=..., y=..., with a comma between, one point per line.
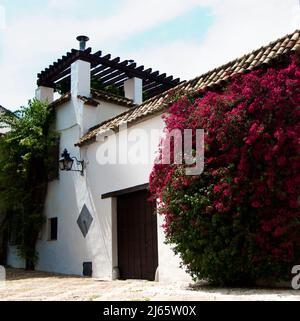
x=110, y=71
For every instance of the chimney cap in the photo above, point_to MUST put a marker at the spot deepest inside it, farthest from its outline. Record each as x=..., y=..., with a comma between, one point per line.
x=82, y=40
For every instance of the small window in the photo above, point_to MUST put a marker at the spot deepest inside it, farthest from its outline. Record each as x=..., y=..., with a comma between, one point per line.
x=53, y=229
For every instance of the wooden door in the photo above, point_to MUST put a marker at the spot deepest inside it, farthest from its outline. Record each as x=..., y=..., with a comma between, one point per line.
x=137, y=236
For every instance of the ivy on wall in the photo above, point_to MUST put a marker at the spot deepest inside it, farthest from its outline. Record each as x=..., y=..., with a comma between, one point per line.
x=25, y=161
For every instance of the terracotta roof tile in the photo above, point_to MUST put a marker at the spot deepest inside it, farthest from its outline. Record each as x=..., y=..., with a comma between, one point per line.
x=88, y=101
x=95, y=95
x=103, y=95
x=255, y=59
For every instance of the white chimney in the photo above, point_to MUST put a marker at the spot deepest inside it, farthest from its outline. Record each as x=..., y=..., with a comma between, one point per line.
x=133, y=88
x=81, y=73
x=81, y=78
x=45, y=94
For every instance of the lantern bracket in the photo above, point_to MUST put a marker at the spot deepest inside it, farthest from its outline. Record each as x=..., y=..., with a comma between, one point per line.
x=66, y=162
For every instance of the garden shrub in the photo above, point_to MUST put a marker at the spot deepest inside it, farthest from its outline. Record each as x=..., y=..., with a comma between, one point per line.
x=239, y=221
x=26, y=160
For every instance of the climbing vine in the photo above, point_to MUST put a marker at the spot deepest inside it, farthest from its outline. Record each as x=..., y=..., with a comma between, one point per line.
x=25, y=161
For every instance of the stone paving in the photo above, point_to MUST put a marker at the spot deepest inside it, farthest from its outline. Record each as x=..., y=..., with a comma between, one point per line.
x=39, y=286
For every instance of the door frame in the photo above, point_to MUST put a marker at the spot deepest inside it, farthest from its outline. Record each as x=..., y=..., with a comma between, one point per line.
x=114, y=224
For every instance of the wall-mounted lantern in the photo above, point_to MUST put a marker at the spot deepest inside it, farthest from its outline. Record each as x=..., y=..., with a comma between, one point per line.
x=66, y=162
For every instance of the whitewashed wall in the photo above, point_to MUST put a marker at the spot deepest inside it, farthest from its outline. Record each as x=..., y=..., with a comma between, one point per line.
x=67, y=196
x=13, y=259
x=3, y=130
x=102, y=179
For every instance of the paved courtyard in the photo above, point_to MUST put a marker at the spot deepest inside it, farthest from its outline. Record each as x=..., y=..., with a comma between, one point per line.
x=22, y=285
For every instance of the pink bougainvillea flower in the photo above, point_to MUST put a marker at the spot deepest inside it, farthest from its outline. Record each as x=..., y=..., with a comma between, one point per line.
x=246, y=202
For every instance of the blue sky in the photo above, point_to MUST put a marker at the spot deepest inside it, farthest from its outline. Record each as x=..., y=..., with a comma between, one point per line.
x=191, y=26
x=78, y=9
x=181, y=37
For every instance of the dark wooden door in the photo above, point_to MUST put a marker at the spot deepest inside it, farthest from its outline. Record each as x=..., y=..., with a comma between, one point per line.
x=137, y=236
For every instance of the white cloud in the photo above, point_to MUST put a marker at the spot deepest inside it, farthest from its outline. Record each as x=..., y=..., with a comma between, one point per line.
x=30, y=43
x=62, y=4
x=239, y=27
x=2, y=17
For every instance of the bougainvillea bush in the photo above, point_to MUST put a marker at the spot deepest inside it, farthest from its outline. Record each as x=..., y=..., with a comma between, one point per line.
x=239, y=221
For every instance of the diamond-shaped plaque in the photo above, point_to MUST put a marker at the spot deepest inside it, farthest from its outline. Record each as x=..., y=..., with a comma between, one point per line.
x=84, y=220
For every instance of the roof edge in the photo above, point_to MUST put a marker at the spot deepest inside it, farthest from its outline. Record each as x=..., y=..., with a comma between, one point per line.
x=259, y=58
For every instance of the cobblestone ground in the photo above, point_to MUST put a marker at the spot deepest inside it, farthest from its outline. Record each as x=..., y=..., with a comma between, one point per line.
x=27, y=286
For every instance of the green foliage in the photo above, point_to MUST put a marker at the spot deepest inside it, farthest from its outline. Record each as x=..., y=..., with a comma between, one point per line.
x=25, y=158
x=64, y=86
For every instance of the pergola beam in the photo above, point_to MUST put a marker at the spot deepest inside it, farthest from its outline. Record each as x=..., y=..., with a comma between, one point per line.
x=109, y=71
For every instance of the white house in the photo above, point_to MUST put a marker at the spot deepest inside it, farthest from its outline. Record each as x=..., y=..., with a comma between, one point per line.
x=99, y=222
x=3, y=130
